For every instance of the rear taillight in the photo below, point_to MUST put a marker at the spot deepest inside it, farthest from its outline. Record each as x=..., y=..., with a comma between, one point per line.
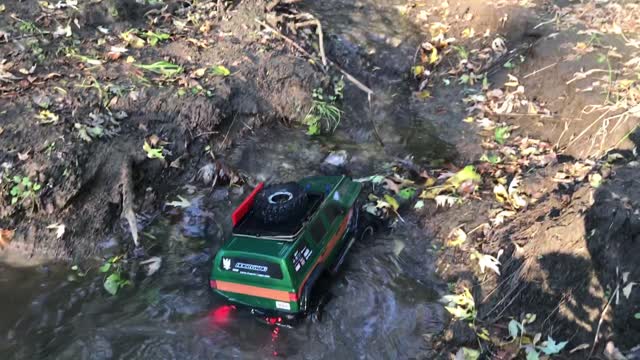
x=293, y=296
x=213, y=284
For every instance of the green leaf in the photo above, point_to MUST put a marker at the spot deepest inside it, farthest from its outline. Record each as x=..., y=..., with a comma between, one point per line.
x=14, y=200
x=391, y=201
x=514, y=329
x=26, y=181
x=36, y=187
x=17, y=179
x=637, y=316
x=532, y=354
x=508, y=65
x=113, y=283
x=105, y=267
x=15, y=191
x=220, y=70
x=550, y=347
x=501, y=134
x=467, y=354
x=152, y=153
x=407, y=193
x=419, y=205
x=74, y=268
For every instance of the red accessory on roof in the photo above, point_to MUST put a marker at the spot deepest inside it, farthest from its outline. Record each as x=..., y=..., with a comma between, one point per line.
x=246, y=205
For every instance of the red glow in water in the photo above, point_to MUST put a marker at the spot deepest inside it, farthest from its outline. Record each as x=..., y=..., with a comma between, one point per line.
x=221, y=315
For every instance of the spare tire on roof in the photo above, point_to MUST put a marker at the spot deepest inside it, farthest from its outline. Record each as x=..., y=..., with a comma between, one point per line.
x=280, y=203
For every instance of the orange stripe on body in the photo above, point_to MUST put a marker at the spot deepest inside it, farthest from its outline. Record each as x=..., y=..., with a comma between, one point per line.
x=279, y=295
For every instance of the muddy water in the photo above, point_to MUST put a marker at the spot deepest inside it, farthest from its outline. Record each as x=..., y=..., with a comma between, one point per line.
x=384, y=300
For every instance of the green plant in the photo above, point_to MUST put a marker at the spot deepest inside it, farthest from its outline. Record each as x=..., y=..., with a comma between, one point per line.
x=23, y=188
x=532, y=345
x=28, y=27
x=462, y=306
x=114, y=281
x=220, y=70
x=163, y=68
x=153, y=152
x=324, y=115
x=153, y=38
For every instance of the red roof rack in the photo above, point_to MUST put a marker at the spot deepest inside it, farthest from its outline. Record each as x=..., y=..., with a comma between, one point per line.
x=246, y=205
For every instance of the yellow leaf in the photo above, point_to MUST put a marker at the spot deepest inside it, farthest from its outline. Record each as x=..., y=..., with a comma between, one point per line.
x=501, y=193
x=431, y=193
x=130, y=59
x=418, y=70
x=131, y=39
x=434, y=56
x=467, y=33
x=456, y=237
x=468, y=119
x=2, y=7
x=430, y=182
x=425, y=94
x=389, y=199
x=581, y=46
x=199, y=73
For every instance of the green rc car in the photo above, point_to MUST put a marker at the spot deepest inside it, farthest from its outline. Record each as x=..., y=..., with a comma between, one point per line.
x=284, y=237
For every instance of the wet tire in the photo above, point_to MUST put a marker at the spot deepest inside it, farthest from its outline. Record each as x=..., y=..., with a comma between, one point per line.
x=280, y=203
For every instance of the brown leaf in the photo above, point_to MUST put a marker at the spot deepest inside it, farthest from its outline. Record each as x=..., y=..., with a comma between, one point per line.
x=6, y=236
x=392, y=185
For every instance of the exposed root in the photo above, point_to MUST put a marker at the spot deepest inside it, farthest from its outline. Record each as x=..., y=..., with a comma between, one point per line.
x=126, y=183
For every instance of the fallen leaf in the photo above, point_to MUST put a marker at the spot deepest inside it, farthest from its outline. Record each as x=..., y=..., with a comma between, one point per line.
x=467, y=354
x=626, y=291
x=60, y=229
x=6, y=236
x=446, y=200
x=153, y=264
x=456, y=237
x=181, y=203
x=391, y=201
x=580, y=347
x=220, y=70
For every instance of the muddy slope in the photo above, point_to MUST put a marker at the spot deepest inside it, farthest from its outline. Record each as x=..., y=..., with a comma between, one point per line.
x=89, y=159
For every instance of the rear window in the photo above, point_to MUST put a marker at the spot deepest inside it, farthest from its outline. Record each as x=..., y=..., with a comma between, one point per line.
x=251, y=267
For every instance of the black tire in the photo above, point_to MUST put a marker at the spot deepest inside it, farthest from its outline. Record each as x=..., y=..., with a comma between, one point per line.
x=280, y=203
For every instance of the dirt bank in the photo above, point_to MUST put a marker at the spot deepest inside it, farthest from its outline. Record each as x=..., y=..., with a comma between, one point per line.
x=77, y=109
x=557, y=213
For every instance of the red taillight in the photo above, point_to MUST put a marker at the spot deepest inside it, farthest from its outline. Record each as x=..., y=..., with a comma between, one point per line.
x=293, y=296
x=213, y=284
x=246, y=205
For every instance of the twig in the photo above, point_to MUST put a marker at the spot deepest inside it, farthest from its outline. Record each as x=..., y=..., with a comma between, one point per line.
x=304, y=52
x=519, y=114
x=587, y=128
x=555, y=18
x=540, y=70
x=373, y=124
x=583, y=75
x=228, y=131
x=606, y=307
x=321, y=42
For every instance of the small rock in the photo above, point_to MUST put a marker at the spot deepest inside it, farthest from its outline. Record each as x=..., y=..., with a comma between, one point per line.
x=336, y=158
